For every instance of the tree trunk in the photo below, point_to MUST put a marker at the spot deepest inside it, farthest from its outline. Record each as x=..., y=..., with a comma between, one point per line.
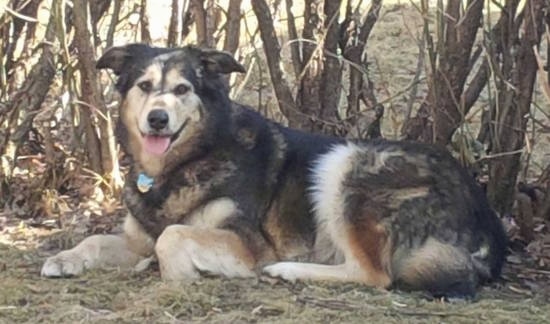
x=101, y=153
x=199, y=16
x=114, y=22
x=97, y=9
x=233, y=27
x=213, y=18
x=272, y=51
x=11, y=33
x=293, y=38
x=144, y=23
x=308, y=99
x=186, y=20
x=26, y=102
x=331, y=75
x=353, y=44
x=445, y=98
x=514, y=103
x=173, y=33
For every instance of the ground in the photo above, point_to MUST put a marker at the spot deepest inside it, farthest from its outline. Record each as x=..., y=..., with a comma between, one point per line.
x=114, y=296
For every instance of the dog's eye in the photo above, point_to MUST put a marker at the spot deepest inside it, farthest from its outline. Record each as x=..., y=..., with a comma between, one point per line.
x=181, y=89
x=145, y=86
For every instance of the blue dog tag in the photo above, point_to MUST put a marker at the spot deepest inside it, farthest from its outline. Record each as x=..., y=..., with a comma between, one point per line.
x=144, y=183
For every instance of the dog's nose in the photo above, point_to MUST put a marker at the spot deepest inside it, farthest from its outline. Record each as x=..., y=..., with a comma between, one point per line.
x=157, y=119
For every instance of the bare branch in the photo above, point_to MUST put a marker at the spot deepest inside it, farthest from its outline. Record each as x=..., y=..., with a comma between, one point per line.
x=272, y=50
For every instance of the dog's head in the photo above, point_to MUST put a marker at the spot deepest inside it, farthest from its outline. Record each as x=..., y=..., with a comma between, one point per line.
x=173, y=98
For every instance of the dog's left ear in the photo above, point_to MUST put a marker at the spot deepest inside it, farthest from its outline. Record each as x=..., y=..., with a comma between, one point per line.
x=121, y=58
x=220, y=62
x=114, y=58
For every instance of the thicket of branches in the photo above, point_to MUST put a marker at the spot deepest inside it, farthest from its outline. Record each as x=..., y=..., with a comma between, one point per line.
x=56, y=114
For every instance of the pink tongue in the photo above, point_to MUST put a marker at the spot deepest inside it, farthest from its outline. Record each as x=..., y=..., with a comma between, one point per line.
x=156, y=144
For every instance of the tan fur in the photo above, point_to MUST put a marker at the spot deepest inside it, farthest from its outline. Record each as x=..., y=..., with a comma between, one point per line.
x=96, y=251
x=212, y=214
x=138, y=241
x=292, y=271
x=397, y=197
x=182, y=201
x=133, y=249
x=192, y=197
x=130, y=250
x=181, y=109
x=428, y=261
x=183, y=251
x=368, y=246
x=285, y=244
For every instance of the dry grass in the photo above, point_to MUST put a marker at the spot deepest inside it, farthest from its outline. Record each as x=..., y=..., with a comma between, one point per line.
x=111, y=296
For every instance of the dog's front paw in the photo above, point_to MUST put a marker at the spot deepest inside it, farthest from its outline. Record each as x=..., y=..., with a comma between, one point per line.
x=64, y=264
x=284, y=270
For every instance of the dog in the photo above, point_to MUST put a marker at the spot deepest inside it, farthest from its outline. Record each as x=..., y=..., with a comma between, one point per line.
x=216, y=188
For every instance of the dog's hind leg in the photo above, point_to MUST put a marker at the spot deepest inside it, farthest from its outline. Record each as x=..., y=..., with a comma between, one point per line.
x=128, y=251
x=364, y=261
x=439, y=268
x=361, y=240
x=184, y=252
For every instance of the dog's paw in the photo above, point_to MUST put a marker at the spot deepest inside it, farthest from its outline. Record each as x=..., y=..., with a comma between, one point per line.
x=144, y=264
x=64, y=264
x=284, y=270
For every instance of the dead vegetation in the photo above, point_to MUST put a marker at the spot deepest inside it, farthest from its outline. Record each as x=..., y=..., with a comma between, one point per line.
x=111, y=296
x=118, y=297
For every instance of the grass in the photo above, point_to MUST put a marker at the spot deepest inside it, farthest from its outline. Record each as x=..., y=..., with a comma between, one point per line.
x=111, y=296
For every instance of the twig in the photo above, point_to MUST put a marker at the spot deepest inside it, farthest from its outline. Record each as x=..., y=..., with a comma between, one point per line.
x=414, y=88
x=172, y=317
x=20, y=16
x=543, y=80
x=426, y=313
x=9, y=307
x=93, y=108
x=539, y=271
x=330, y=303
x=498, y=155
x=336, y=304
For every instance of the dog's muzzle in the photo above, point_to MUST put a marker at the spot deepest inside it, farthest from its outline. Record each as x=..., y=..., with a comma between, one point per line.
x=158, y=139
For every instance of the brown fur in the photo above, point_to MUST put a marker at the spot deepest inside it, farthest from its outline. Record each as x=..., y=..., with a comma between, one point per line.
x=367, y=241
x=184, y=251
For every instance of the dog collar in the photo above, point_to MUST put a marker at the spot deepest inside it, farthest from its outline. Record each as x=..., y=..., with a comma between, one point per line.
x=144, y=182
